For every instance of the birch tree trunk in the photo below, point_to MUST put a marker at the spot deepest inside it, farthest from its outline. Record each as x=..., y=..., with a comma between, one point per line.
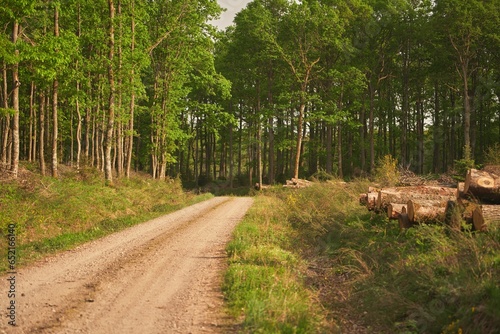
x=108, y=171
x=41, y=122
x=6, y=125
x=15, y=106
x=130, y=138
x=55, y=88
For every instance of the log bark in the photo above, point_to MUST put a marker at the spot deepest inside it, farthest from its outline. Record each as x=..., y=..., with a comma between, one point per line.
x=394, y=210
x=483, y=186
x=484, y=215
x=425, y=212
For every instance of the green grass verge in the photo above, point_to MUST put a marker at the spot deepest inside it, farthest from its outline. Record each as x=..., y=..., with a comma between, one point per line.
x=263, y=285
x=58, y=214
x=313, y=260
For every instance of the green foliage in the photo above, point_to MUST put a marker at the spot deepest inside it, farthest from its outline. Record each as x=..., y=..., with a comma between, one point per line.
x=463, y=165
x=322, y=175
x=387, y=172
x=493, y=155
x=6, y=111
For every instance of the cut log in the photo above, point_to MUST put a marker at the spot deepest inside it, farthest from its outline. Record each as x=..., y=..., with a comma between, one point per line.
x=402, y=195
x=394, y=210
x=372, y=201
x=484, y=215
x=425, y=212
x=453, y=215
x=483, y=186
x=461, y=190
x=297, y=183
x=424, y=190
x=404, y=222
x=363, y=199
x=493, y=169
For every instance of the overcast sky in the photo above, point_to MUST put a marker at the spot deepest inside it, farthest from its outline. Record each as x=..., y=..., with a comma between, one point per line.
x=232, y=7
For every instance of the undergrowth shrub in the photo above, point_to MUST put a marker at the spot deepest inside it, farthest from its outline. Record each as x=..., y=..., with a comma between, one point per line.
x=493, y=155
x=461, y=166
x=427, y=279
x=386, y=171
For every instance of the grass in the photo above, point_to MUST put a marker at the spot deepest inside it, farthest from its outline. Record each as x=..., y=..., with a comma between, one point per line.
x=54, y=214
x=264, y=285
x=313, y=260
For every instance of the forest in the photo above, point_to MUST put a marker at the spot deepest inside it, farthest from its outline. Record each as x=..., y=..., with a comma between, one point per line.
x=291, y=89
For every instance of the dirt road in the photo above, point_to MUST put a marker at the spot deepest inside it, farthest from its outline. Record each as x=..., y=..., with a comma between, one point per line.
x=162, y=276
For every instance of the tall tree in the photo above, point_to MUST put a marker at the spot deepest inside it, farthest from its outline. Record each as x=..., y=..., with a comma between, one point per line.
x=55, y=92
x=108, y=168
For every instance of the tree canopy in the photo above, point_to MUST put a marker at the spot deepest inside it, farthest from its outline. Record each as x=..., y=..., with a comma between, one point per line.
x=291, y=89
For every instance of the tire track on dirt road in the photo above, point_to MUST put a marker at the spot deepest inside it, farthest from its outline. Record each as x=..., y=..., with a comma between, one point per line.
x=162, y=276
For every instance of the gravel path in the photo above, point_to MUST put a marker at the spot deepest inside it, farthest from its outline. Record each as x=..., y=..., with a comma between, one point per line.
x=162, y=276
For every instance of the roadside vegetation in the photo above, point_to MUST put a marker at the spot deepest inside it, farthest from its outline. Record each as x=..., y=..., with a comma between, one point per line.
x=53, y=214
x=313, y=260
x=264, y=284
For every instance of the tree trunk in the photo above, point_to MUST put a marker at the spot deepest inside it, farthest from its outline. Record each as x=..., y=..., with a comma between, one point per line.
x=32, y=126
x=271, y=168
x=467, y=109
x=15, y=105
x=259, y=152
x=362, y=136
x=372, y=127
x=420, y=134
x=41, y=144
x=119, y=151
x=436, y=133
x=108, y=171
x=231, y=162
x=6, y=126
x=329, y=149
x=298, y=147
x=339, y=148
x=405, y=112
x=130, y=137
x=54, y=127
x=55, y=88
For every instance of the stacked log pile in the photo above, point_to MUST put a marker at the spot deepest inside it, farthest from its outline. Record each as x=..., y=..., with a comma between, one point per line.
x=297, y=183
x=476, y=201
